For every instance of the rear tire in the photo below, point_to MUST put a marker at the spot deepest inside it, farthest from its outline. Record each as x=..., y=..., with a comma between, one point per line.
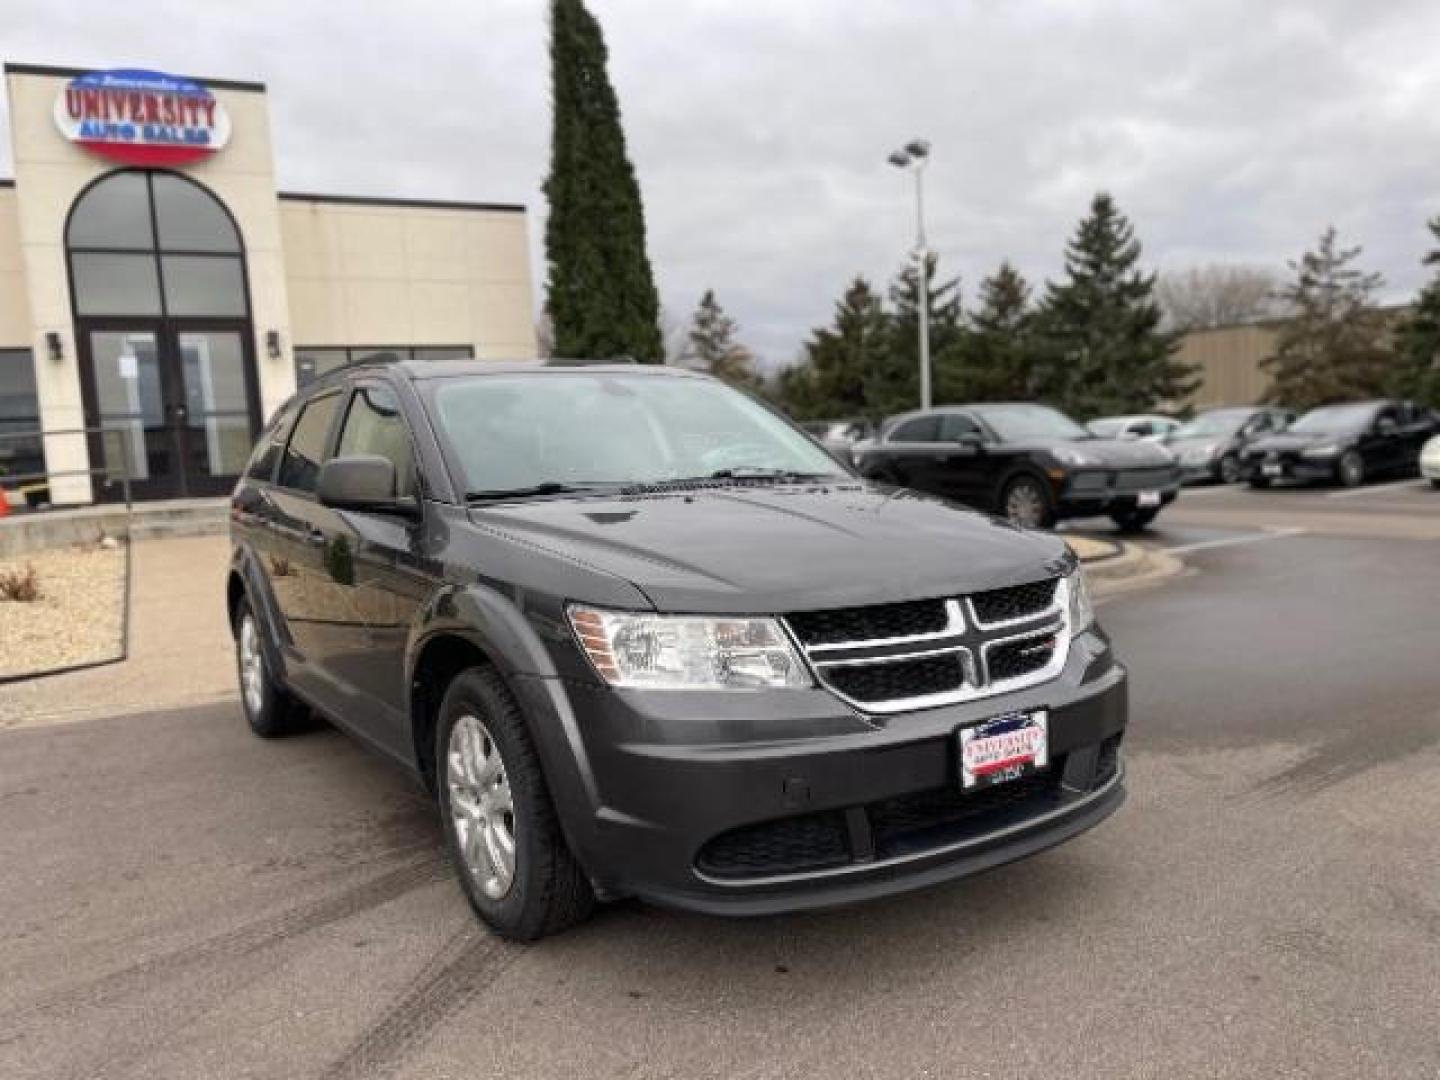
x=1350, y=470
x=1026, y=503
x=1435, y=484
x=1132, y=521
x=1259, y=483
x=271, y=710
x=500, y=823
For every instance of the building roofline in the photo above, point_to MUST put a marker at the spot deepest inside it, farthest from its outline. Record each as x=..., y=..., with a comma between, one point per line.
x=378, y=200
x=72, y=72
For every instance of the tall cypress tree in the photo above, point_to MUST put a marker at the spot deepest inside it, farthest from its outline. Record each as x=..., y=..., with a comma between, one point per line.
x=600, y=293
x=1104, y=349
x=1418, y=340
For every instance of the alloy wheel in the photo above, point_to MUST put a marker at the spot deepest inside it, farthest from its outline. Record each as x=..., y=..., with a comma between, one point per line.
x=1229, y=469
x=252, y=666
x=481, y=807
x=1025, y=505
x=1352, y=469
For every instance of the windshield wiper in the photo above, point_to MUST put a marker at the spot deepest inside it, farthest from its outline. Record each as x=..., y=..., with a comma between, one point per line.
x=548, y=487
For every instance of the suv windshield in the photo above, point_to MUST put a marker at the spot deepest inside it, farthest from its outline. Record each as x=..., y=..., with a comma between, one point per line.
x=1220, y=422
x=547, y=433
x=1018, y=423
x=1334, y=420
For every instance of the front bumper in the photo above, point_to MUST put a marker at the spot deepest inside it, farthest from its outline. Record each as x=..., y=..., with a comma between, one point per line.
x=1430, y=468
x=1090, y=492
x=1293, y=467
x=753, y=803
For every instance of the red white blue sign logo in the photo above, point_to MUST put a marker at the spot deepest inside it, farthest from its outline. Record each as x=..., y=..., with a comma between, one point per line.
x=142, y=117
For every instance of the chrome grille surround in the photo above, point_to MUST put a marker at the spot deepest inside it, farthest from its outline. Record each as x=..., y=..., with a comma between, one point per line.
x=965, y=637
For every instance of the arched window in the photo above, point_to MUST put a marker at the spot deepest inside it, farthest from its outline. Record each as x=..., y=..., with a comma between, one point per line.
x=154, y=244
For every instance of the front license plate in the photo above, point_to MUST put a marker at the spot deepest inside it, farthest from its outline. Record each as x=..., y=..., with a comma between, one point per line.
x=1003, y=749
x=1273, y=468
x=1149, y=498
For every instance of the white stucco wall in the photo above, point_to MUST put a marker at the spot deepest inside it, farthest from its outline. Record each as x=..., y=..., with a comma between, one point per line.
x=14, y=301
x=395, y=274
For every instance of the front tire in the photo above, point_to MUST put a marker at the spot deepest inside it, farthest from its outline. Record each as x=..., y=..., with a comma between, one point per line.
x=1350, y=470
x=271, y=710
x=1229, y=471
x=1026, y=503
x=1132, y=521
x=500, y=824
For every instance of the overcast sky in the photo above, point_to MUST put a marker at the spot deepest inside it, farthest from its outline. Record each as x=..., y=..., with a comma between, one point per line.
x=1227, y=130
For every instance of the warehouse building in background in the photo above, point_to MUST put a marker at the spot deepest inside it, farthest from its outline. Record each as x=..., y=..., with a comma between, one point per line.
x=156, y=285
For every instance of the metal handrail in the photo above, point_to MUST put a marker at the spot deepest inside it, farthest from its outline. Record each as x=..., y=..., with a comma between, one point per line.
x=104, y=472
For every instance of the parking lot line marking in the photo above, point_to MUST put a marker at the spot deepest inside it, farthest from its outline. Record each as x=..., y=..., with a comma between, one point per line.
x=1228, y=541
x=1366, y=489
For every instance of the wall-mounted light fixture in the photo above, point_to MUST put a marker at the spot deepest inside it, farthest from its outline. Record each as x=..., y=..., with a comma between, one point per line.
x=54, y=345
x=272, y=344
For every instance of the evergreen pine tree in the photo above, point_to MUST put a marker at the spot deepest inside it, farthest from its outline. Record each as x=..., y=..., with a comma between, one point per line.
x=894, y=385
x=1417, y=374
x=1103, y=349
x=995, y=359
x=833, y=378
x=1336, y=346
x=600, y=294
x=711, y=345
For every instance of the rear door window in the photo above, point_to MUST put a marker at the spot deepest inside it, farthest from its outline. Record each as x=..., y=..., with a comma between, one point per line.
x=920, y=429
x=305, y=452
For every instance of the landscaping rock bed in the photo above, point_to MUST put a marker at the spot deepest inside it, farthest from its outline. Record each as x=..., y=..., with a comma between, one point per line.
x=79, y=617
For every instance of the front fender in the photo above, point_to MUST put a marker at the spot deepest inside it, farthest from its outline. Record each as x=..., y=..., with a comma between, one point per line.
x=489, y=620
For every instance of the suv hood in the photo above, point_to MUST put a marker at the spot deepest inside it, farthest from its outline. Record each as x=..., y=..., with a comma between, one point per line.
x=775, y=549
x=1287, y=441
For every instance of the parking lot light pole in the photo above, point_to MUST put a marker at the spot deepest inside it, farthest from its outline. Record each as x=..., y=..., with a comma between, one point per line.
x=913, y=156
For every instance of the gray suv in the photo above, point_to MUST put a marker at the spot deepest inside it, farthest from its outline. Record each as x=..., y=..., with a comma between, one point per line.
x=640, y=636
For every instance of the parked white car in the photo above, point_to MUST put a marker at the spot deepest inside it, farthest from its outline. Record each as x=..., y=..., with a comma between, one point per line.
x=1148, y=427
x=1430, y=461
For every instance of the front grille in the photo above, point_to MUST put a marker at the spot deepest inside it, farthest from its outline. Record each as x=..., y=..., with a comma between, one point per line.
x=954, y=631
x=923, y=677
x=1145, y=479
x=788, y=846
x=1017, y=602
x=1014, y=659
x=946, y=815
x=870, y=623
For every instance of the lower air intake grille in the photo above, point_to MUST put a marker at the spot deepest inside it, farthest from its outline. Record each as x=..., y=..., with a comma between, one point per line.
x=789, y=846
x=898, y=679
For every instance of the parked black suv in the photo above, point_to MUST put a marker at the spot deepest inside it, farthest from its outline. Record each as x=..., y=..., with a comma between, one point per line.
x=1030, y=463
x=641, y=636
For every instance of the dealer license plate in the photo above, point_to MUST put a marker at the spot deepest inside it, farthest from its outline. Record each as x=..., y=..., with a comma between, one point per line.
x=1149, y=498
x=1273, y=468
x=1004, y=749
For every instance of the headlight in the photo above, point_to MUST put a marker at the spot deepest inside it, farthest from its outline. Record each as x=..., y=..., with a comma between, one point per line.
x=1067, y=456
x=1198, y=455
x=1326, y=450
x=687, y=652
x=1082, y=612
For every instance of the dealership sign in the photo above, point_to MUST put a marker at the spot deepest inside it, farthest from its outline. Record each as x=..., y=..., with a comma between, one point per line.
x=142, y=117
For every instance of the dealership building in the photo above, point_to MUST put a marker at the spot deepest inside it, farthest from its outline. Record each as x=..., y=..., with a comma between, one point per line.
x=156, y=287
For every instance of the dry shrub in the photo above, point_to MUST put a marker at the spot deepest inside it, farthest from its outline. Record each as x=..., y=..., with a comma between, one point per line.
x=20, y=585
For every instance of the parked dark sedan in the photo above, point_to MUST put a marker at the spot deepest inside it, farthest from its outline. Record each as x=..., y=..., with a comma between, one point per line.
x=1345, y=444
x=1209, y=446
x=1029, y=463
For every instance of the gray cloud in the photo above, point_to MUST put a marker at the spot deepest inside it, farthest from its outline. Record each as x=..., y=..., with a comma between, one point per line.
x=1227, y=130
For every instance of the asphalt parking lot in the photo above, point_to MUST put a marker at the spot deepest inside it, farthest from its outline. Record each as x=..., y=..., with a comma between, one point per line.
x=182, y=900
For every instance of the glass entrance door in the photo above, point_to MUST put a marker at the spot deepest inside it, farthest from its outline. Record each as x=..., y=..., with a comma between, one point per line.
x=177, y=403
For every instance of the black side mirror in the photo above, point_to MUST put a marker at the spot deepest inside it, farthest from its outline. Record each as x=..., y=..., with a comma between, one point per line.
x=1385, y=426
x=971, y=439
x=362, y=482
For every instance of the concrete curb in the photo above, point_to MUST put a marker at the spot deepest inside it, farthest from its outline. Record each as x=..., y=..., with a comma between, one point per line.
x=1132, y=567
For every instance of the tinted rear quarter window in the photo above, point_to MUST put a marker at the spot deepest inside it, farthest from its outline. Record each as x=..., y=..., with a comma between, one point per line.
x=269, y=446
x=305, y=452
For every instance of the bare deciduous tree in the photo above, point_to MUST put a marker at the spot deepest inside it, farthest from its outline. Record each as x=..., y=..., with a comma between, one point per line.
x=1219, y=294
